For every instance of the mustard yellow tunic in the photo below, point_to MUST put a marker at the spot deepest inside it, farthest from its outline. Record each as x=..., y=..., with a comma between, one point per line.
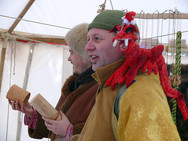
x=144, y=112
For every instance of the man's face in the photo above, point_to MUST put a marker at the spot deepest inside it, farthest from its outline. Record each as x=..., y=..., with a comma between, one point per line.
x=100, y=48
x=79, y=63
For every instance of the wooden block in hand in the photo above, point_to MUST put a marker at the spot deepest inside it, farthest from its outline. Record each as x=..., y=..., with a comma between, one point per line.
x=17, y=93
x=44, y=107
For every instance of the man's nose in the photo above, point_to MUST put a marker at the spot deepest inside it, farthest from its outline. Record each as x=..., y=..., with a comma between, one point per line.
x=89, y=46
x=69, y=58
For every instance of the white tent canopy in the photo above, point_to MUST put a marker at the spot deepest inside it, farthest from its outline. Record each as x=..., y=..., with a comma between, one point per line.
x=42, y=67
x=66, y=14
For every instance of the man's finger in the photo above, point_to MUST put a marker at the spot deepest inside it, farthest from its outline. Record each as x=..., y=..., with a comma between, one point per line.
x=22, y=107
x=9, y=101
x=50, y=121
x=17, y=106
x=13, y=105
x=49, y=126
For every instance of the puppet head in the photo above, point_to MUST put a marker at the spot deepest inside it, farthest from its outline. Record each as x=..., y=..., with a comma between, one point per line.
x=127, y=31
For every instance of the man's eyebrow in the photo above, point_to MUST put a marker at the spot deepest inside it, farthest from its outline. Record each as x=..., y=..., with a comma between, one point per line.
x=96, y=34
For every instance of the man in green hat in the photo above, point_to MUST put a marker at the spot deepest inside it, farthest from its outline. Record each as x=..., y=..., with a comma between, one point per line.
x=137, y=113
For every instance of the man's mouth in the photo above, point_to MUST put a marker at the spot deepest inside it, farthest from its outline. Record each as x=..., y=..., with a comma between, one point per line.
x=93, y=57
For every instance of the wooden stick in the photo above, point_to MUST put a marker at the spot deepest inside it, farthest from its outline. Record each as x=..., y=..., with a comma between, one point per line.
x=2, y=65
x=161, y=16
x=156, y=16
x=45, y=108
x=20, y=16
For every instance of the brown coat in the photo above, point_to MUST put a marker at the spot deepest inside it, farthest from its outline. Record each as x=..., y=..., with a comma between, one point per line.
x=76, y=105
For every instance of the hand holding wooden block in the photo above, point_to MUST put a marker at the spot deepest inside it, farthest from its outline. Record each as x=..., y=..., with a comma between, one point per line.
x=17, y=93
x=45, y=108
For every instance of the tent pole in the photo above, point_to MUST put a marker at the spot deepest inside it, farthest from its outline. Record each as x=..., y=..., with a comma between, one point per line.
x=29, y=61
x=3, y=52
x=28, y=64
x=20, y=16
x=2, y=65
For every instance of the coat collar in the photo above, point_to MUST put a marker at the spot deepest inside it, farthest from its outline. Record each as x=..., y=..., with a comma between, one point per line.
x=103, y=74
